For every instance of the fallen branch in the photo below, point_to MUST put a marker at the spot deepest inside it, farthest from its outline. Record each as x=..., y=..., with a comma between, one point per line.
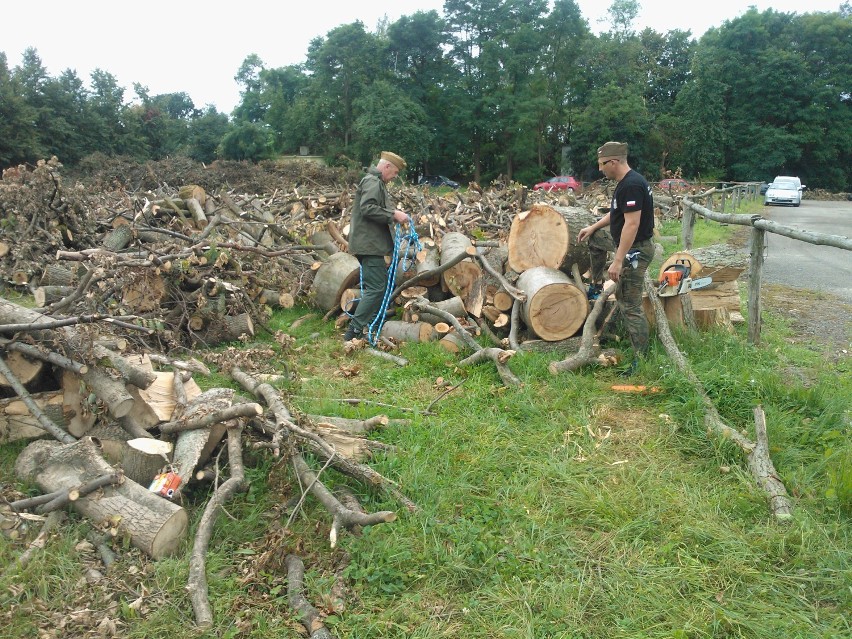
x=66, y=496
x=197, y=581
x=588, y=351
x=216, y=417
x=299, y=604
x=340, y=513
x=758, y=457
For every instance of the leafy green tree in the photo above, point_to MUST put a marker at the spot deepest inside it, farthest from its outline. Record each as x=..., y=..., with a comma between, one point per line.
x=251, y=107
x=387, y=119
x=342, y=64
x=18, y=134
x=247, y=141
x=613, y=113
x=205, y=135
x=422, y=71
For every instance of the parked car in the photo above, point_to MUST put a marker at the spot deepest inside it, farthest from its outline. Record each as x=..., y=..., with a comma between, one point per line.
x=560, y=183
x=438, y=180
x=791, y=178
x=783, y=191
x=674, y=184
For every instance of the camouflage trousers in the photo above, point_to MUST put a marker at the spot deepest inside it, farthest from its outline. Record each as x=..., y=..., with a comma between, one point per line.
x=628, y=291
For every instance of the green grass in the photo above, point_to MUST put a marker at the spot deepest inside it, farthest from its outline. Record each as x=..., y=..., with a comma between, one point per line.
x=558, y=509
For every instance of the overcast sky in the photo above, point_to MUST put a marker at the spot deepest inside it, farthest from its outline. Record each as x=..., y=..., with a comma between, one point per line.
x=197, y=47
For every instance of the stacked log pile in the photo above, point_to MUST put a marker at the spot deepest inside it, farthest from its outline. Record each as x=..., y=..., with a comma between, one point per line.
x=121, y=278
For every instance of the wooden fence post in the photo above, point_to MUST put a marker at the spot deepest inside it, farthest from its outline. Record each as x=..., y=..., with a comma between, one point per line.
x=758, y=243
x=688, y=227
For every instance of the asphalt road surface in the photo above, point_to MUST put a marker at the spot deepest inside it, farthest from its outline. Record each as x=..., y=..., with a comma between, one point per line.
x=808, y=266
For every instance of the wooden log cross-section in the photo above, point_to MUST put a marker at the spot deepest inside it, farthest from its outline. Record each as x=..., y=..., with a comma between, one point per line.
x=555, y=308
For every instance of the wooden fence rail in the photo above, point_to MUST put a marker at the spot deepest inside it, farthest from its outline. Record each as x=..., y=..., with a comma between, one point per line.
x=759, y=228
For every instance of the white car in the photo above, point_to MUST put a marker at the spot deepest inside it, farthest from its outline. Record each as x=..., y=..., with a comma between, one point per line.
x=783, y=191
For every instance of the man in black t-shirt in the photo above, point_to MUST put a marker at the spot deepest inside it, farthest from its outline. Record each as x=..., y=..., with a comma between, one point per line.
x=627, y=230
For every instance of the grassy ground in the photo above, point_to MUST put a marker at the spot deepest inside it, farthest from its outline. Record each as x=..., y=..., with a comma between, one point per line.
x=557, y=509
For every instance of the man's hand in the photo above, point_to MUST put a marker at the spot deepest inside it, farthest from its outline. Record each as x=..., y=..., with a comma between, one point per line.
x=584, y=233
x=400, y=217
x=615, y=270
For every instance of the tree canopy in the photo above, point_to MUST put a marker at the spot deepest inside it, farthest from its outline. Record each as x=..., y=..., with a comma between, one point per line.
x=511, y=88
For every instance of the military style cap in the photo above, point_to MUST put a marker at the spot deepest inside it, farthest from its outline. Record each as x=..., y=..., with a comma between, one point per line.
x=613, y=150
x=394, y=159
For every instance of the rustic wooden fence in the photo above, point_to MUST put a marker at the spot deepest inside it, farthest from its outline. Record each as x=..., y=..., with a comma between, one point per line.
x=759, y=228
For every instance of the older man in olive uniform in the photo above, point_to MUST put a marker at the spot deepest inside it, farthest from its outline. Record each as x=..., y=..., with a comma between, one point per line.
x=627, y=230
x=370, y=238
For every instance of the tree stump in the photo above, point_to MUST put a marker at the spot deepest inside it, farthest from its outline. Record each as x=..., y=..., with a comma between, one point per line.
x=555, y=308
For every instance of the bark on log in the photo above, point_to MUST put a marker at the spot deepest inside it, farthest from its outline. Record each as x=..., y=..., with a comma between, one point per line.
x=155, y=525
x=17, y=422
x=538, y=237
x=45, y=295
x=190, y=444
x=578, y=253
x=555, y=308
x=464, y=279
x=408, y=331
x=338, y=273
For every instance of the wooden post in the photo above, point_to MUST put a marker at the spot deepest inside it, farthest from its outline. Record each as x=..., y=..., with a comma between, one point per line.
x=688, y=227
x=758, y=243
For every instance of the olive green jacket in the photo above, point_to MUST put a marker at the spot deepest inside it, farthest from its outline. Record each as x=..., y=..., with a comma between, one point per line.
x=372, y=214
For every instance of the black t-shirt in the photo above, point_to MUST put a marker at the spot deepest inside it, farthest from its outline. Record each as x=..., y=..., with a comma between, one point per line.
x=633, y=193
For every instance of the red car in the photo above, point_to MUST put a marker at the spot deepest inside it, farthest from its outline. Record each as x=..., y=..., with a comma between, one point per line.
x=559, y=183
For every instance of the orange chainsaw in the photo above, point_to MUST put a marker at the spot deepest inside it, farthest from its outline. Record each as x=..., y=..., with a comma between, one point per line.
x=675, y=280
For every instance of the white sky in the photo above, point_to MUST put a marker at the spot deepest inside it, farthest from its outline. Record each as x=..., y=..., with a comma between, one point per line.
x=197, y=47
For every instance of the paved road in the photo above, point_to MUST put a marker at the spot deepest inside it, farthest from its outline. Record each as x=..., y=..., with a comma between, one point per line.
x=799, y=264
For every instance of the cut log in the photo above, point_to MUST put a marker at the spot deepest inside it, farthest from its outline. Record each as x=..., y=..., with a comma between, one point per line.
x=17, y=423
x=137, y=465
x=538, y=237
x=56, y=275
x=118, y=238
x=349, y=300
x=724, y=295
x=228, y=328
x=453, y=343
x=276, y=299
x=555, y=308
x=338, y=273
x=428, y=260
x=26, y=370
x=408, y=331
x=453, y=305
x=155, y=525
x=465, y=278
x=722, y=262
x=190, y=444
x=576, y=218
x=75, y=404
x=44, y=295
